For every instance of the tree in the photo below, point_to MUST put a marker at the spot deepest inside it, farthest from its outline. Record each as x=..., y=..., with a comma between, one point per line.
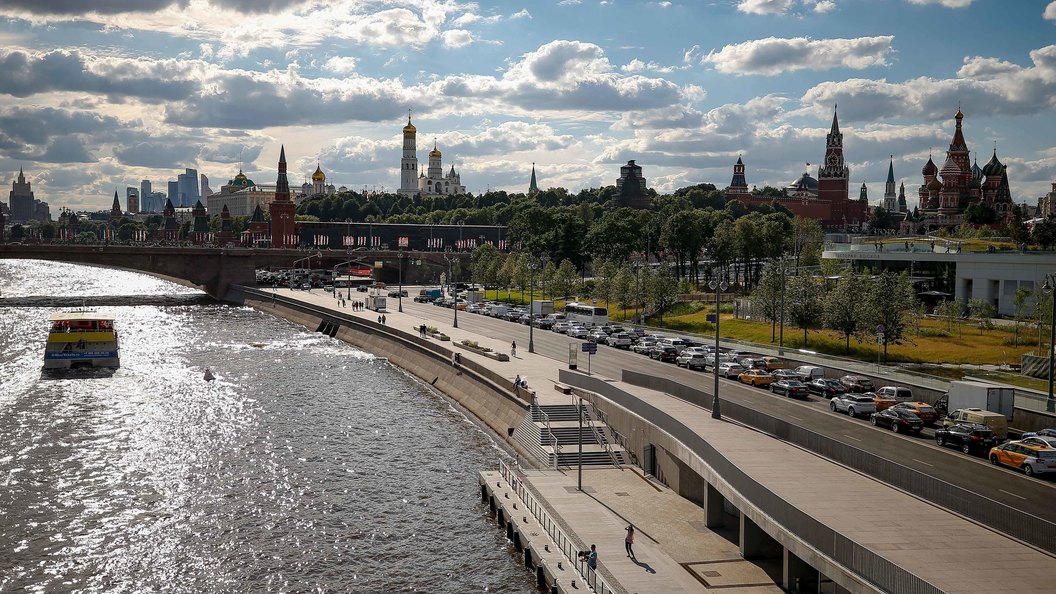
x=1020, y=302
x=485, y=258
x=804, y=303
x=980, y=213
x=566, y=279
x=604, y=274
x=18, y=232
x=984, y=312
x=549, y=275
x=950, y=311
x=842, y=307
x=807, y=235
x=48, y=231
x=880, y=219
x=662, y=290
x=890, y=302
x=623, y=287
x=767, y=296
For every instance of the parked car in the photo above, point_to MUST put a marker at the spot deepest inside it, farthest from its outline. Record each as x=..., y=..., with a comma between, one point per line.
x=809, y=373
x=597, y=337
x=1040, y=440
x=1031, y=459
x=621, y=340
x=663, y=352
x=756, y=377
x=773, y=363
x=785, y=374
x=730, y=369
x=826, y=387
x=896, y=393
x=692, y=360
x=923, y=410
x=561, y=327
x=857, y=383
x=643, y=345
x=898, y=420
x=997, y=422
x=853, y=404
x=577, y=332
x=397, y=293
x=792, y=388
x=970, y=437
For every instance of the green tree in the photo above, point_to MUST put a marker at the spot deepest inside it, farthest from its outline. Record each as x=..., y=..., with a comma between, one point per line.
x=950, y=312
x=890, y=303
x=984, y=312
x=842, y=307
x=804, y=307
x=566, y=279
x=623, y=287
x=806, y=237
x=604, y=275
x=662, y=289
x=547, y=279
x=767, y=296
x=1020, y=302
x=18, y=232
x=980, y=213
x=881, y=220
x=485, y=258
x=48, y=231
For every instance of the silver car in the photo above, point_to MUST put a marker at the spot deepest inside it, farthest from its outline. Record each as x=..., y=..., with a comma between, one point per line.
x=621, y=340
x=854, y=405
x=730, y=369
x=578, y=332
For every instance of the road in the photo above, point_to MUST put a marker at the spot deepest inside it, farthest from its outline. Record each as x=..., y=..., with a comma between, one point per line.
x=1031, y=495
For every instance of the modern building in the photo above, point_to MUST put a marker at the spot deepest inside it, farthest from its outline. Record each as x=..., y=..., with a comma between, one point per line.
x=145, y=189
x=187, y=184
x=132, y=199
x=433, y=181
x=282, y=210
x=206, y=190
x=1047, y=203
x=825, y=198
x=943, y=202
x=174, y=194
x=631, y=190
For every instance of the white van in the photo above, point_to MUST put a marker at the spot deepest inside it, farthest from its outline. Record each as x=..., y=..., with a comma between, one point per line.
x=496, y=310
x=809, y=373
x=896, y=393
x=997, y=422
x=678, y=343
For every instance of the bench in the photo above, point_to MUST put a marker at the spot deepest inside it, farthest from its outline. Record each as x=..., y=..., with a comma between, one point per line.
x=563, y=388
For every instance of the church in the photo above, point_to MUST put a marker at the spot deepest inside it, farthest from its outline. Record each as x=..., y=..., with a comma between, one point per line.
x=431, y=182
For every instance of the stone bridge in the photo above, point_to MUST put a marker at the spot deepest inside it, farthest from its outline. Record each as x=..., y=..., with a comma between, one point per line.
x=215, y=270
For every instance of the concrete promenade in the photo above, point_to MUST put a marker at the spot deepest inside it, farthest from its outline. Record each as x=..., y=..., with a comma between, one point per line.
x=948, y=551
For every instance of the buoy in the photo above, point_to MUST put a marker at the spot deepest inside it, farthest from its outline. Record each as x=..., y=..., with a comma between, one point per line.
x=208, y=375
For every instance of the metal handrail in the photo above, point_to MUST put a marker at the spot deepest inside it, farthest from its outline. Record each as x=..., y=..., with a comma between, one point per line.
x=549, y=431
x=598, y=436
x=564, y=543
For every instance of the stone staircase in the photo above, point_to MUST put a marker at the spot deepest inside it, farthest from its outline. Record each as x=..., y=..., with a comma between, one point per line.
x=533, y=433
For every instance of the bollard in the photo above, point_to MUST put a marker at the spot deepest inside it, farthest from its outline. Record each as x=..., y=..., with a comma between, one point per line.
x=546, y=547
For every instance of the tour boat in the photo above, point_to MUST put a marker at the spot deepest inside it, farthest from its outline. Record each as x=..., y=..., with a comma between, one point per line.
x=81, y=339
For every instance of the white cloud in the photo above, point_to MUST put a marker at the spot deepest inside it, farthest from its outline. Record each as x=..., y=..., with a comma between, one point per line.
x=521, y=14
x=774, y=55
x=1050, y=11
x=823, y=6
x=456, y=38
x=764, y=7
x=570, y=2
x=979, y=67
x=946, y=3
x=342, y=64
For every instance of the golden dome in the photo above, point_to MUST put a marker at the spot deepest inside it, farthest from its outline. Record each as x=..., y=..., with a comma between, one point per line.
x=435, y=153
x=409, y=128
x=318, y=176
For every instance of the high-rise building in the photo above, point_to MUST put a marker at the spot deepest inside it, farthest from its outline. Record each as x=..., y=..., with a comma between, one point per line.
x=174, y=193
x=132, y=199
x=23, y=206
x=188, y=187
x=145, y=189
x=206, y=190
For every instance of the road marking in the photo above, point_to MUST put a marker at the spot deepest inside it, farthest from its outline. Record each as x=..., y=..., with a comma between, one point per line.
x=850, y=437
x=795, y=417
x=923, y=462
x=1013, y=494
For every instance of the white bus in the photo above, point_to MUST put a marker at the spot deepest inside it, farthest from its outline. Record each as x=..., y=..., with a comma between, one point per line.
x=585, y=314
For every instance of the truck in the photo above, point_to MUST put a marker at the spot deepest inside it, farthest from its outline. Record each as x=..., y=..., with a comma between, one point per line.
x=542, y=307
x=428, y=295
x=981, y=395
x=474, y=296
x=375, y=302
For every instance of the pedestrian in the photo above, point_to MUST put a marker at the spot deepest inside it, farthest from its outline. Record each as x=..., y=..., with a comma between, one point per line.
x=379, y=319
x=591, y=556
x=513, y=349
x=517, y=381
x=382, y=319
x=629, y=541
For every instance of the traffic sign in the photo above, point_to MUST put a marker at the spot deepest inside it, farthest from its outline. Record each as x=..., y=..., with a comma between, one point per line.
x=880, y=337
x=590, y=348
x=880, y=329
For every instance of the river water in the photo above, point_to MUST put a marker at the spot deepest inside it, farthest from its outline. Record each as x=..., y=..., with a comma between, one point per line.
x=307, y=466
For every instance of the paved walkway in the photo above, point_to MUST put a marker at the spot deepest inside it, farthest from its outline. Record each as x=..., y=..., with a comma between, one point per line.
x=952, y=553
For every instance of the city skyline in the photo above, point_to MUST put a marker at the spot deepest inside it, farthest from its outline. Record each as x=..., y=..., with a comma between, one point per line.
x=93, y=102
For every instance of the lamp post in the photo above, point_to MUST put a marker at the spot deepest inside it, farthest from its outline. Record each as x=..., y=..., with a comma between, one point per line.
x=399, y=296
x=533, y=265
x=451, y=283
x=718, y=285
x=1050, y=284
x=781, y=339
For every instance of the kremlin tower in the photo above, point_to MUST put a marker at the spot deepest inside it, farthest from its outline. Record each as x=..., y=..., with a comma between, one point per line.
x=282, y=209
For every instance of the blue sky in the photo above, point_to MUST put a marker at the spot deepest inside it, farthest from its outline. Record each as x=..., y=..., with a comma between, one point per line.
x=93, y=101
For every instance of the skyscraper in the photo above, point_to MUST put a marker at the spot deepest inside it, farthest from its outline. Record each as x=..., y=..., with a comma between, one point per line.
x=23, y=206
x=206, y=190
x=174, y=192
x=145, y=191
x=188, y=187
x=132, y=199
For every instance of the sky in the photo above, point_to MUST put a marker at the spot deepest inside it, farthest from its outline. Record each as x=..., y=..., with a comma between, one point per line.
x=92, y=101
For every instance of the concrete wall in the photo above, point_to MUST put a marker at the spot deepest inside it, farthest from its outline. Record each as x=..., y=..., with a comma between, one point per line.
x=495, y=407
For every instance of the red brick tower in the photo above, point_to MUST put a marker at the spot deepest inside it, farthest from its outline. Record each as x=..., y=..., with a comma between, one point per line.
x=282, y=209
x=833, y=174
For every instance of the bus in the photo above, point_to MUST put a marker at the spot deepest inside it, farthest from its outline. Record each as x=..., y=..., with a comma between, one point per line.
x=585, y=314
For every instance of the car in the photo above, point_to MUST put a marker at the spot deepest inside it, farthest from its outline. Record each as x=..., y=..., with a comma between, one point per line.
x=809, y=373
x=925, y=411
x=853, y=404
x=597, y=337
x=1040, y=440
x=636, y=331
x=1041, y=432
x=544, y=323
x=663, y=352
x=677, y=343
x=423, y=298
x=773, y=363
x=643, y=345
x=785, y=374
x=792, y=388
x=621, y=340
x=577, y=332
x=397, y=293
x=362, y=288
x=1031, y=459
x=898, y=420
x=896, y=393
x=969, y=437
x=857, y=383
x=730, y=369
x=562, y=327
x=826, y=387
x=756, y=377
x=692, y=360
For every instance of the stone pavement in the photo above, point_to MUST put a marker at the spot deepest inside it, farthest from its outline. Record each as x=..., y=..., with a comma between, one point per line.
x=951, y=552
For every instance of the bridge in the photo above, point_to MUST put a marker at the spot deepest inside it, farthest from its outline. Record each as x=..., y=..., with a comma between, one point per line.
x=216, y=270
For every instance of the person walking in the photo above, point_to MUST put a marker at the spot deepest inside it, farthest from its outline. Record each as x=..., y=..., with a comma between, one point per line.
x=513, y=349
x=629, y=541
x=382, y=319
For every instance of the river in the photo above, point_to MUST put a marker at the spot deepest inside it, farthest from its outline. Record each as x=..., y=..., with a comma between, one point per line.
x=307, y=466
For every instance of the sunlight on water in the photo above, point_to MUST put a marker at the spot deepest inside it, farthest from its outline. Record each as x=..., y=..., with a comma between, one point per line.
x=306, y=466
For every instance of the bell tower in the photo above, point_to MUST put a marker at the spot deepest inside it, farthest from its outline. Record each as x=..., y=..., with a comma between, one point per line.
x=282, y=209
x=833, y=174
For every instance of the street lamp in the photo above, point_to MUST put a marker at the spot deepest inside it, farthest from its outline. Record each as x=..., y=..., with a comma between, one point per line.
x=1050, y=284
x=533, y=265
x=399, y=296
x=784, y=276
x=718, y=285
x=451, y=283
